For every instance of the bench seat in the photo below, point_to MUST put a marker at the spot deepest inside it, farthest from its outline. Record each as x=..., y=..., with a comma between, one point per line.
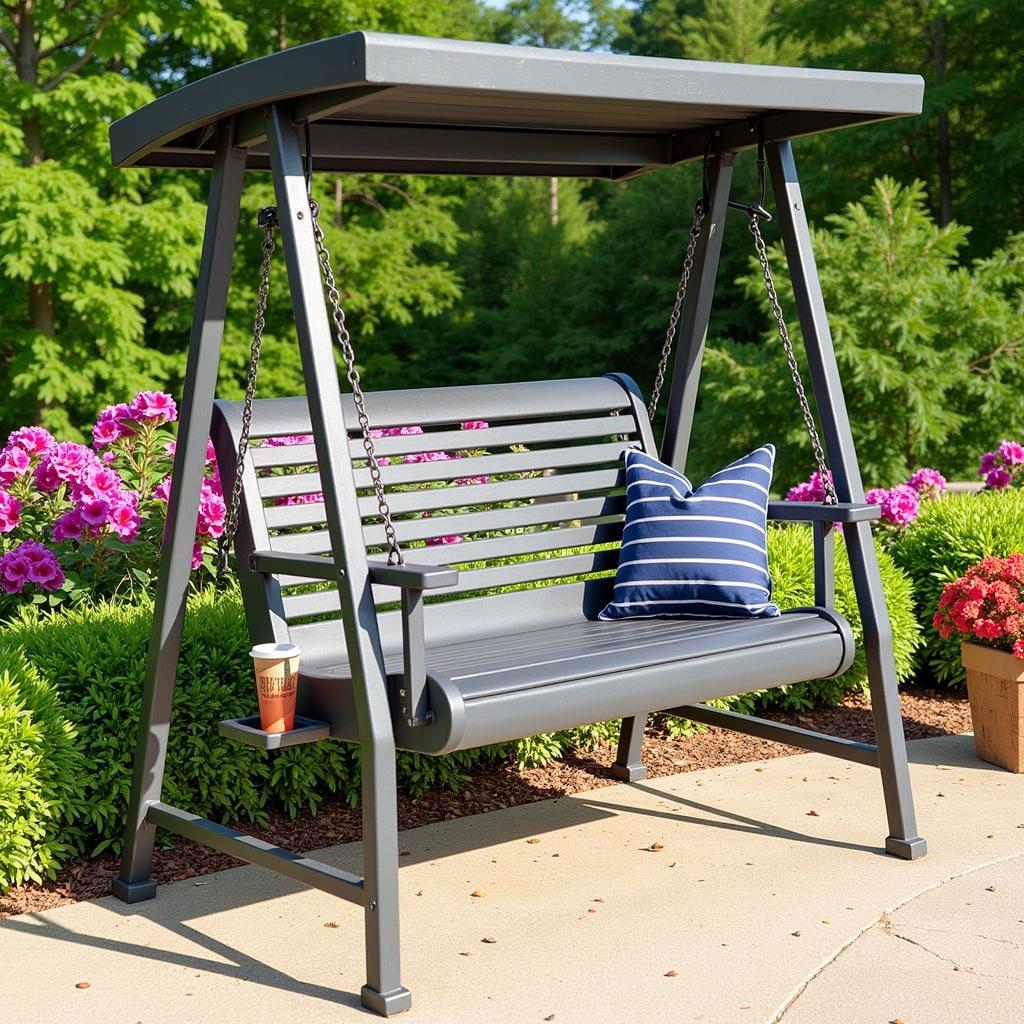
x=495, y=688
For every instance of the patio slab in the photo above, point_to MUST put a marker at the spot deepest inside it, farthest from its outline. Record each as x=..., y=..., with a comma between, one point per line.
x=751, y=902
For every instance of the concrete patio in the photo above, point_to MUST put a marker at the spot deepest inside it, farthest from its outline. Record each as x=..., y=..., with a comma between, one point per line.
x=768, y=900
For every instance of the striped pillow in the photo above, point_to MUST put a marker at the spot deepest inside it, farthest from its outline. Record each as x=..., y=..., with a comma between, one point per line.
x=694, y=554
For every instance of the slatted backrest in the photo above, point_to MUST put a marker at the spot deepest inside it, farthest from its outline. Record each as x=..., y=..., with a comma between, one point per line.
x=518, y=485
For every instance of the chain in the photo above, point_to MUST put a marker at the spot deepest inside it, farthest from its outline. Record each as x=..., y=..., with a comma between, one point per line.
x=348, y=353
x=794, y=369
x=677, y=308
x=267, y=220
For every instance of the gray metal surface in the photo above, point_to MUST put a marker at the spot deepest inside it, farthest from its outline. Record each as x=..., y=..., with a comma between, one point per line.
x=484, y=108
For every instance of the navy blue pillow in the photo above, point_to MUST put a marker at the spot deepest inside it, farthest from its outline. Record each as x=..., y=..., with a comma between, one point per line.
x=694, y=554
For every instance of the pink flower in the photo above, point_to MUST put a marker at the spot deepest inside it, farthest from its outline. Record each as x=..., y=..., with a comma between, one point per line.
x=876, y=496
x=111, y=425
x=14, y=463
x=211, y=452
x=1018, y=648
x=65, y=462
x=929, y=483
x=427, y=457
x=154, y=406
x=30, y=562
x=197, y=555
x=463, y=480
x=287, y=440
x=32, y=440
x=475, y=425
x=899, y=504
x=162, y=491
x=124, y=517
x=98, y=481
x=450, y=539
x=998, y=479
x=94, y=511
x=10, y=511
x=211, y=512
x=811, y=490
x=988, y=463
x=69, y=527
x=1012, y=453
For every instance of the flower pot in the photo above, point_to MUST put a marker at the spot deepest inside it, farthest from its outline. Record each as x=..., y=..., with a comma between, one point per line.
x=995, y=686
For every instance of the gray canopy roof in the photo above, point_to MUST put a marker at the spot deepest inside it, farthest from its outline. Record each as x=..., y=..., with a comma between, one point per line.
x=405, y=103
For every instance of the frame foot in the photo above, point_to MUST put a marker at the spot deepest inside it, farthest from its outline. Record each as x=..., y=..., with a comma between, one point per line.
x=629, y=772
x=907, y=849
x=397, y=1000
x=133, y=892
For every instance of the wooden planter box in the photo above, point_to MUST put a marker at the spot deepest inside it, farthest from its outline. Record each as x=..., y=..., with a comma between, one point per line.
x=995, y=686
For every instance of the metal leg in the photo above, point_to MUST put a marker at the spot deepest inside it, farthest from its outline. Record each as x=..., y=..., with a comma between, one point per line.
x=628, y=765
x=133, y=883
x=903, y=840
x=693, y=323
x=383, y=991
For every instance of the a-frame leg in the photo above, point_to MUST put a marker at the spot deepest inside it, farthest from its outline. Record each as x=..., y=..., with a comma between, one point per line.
x=903, y=840
x=383, y=991
x=134, y=882
x=682, y=402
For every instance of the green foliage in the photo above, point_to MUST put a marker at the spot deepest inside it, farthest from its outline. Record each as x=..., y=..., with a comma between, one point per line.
x=922, y=344
x=41, y=776
x=945, y=540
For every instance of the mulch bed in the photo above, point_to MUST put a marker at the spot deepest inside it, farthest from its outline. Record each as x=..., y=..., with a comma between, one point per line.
x=493, y=787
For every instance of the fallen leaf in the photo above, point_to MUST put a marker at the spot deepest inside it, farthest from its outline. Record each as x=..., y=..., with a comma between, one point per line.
x=420, y=892
x=897, y=1020
x=405, y=853
x=654, y=848
x=813, y=814
x=550, y=1016
x=465, y=954
x=671, y=974
x=758, y=769
x=533, y=842
x=825, y=920
x=82, y=984
x=591, y=910
x=490, y=941
x=478, y=892
x=598, y=899
x=940, y=794
x=331, y=924
x=990, y=888
x=796, y=935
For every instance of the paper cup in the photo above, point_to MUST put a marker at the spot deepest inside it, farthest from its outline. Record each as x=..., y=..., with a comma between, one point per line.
x=277, y=678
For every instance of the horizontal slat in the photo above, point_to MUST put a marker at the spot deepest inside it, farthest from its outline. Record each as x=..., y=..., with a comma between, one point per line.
x=498, y=437
x=308, y=567
x=530, y=400
x=457, y=496
x=272, y=456
x=499, y=519
x=289, y=485
x=534, y=570
x=320, y=602
x=493, y=465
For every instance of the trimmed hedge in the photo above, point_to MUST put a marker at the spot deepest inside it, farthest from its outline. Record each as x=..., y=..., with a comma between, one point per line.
x=70, y=784
x=946, y=539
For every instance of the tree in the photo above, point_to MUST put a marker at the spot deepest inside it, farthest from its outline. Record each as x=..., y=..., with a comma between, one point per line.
x=97, y=265
x=923, y=346
x=738, y=31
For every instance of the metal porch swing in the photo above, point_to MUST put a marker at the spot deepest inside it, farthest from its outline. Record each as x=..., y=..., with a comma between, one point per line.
x=431, y=657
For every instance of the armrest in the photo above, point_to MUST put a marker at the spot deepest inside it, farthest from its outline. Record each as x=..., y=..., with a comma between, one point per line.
x=819, y=512
x=413, y=577
x=314, y=567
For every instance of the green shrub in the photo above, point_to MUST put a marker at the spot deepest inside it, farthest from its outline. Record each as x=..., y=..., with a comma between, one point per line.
x=945, y=540
x=41, y=776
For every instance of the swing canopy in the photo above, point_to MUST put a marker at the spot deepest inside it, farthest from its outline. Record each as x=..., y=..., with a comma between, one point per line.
x=408, y=104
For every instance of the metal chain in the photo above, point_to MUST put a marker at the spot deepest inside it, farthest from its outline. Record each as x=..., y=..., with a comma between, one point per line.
x=348, y=353
x=794, y=369
x=267, y=220
x=673, y=320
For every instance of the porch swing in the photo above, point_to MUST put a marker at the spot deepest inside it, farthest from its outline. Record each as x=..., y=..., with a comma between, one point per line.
x=496, y=637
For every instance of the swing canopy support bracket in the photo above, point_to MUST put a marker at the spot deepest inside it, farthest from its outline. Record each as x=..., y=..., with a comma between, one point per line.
x=494, y=637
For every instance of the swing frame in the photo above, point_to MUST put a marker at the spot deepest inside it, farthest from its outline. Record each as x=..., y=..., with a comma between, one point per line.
x=254, y=116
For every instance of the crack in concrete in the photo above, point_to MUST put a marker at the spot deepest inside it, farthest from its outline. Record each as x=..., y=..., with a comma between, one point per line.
x=973, y=935
x=887, y=928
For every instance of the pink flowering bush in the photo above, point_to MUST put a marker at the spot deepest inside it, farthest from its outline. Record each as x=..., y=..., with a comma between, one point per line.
x=899, y=504
x=1002, y=468
x=87, y=520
